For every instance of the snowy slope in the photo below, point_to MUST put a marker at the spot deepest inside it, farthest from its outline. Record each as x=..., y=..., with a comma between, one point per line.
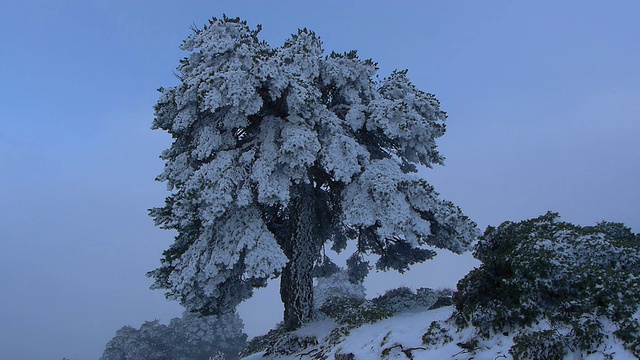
x=400, y=337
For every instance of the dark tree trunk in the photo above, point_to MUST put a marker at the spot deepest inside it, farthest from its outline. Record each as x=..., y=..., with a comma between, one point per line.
x=296, y=281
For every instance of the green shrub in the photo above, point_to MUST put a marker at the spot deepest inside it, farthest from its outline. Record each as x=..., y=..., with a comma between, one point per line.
x=336, y=335
x=629, y=333
x=354, y=312
x=587, y=332
x=402, y=299
x=545, y=269
x=351, y=313
x=436, y=335
x=263, y=342
x=289, y=344
x=546, y=344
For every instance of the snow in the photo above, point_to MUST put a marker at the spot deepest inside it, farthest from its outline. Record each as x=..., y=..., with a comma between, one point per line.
x=404, y=331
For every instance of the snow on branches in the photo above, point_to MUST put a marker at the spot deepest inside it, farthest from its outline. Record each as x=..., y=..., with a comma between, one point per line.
x=255, y=128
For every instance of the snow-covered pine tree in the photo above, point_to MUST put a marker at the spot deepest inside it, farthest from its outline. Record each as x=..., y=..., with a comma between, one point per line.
x=277, y=151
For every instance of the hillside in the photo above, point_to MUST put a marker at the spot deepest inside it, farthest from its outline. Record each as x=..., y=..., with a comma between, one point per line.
x=545, y=289
x=401, y=337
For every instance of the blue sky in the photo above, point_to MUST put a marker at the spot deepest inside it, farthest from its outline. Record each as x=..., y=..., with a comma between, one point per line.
x=543, y=100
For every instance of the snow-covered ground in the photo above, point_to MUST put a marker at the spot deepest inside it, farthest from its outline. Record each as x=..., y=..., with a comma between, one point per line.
x=400, y=337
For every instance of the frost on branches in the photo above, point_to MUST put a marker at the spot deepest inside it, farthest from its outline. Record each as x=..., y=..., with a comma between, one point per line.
x=190, y=337
x=277, y=151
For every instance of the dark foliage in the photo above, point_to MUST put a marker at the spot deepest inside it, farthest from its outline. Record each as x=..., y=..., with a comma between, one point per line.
x=403, y=298
x=571, y=277
x=191, y=337
x=545, y=344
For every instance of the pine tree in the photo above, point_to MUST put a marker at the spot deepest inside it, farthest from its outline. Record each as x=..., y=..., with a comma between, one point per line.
x=279, y=151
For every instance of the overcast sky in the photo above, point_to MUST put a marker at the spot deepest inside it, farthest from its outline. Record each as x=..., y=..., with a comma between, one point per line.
x=543, y=101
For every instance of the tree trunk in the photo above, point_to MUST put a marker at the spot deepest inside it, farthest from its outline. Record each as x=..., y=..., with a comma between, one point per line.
x=296, y=281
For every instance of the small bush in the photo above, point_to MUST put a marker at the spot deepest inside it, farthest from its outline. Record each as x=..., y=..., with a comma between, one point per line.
x=349, y=314
x=263, y=342
x=436, y=335
x=587, y=332
x=353, y=312
x=403, y=298
x=629, y=332
x=336, y=335
x=336, y=285
x=347, y=356
x=442, y=302
x=538, y=345
x=338, y=308
x=291, y=343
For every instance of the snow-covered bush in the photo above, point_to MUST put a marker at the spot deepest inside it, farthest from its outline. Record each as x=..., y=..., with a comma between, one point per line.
x=403, y=298
x=354, y=312
x=191, y=337
x=545, y=344
x=337, y=285
x=263, y=342
x=543, y=271
x=289, y=344
x=629, y=332
x=350, y=313
x=436, y=334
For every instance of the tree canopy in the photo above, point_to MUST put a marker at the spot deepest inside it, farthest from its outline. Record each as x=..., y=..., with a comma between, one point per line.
x=278, y=151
